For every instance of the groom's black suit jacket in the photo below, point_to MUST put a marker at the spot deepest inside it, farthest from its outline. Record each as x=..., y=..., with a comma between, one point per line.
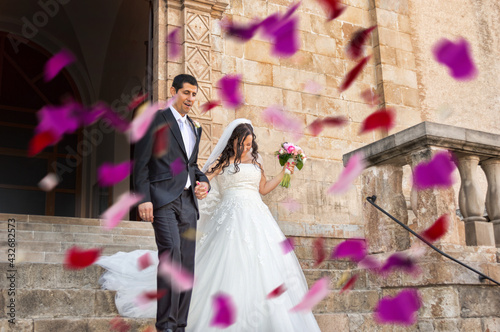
x=153, y=176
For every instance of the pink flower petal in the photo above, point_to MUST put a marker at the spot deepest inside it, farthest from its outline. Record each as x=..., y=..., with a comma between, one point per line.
x=355, y=47
x=173, y=272
x=438, y=229
x=57, y=62
x=174, y=44
x=115, y=213
x=354, y=249
x=109, y=174
x=317, y=126
x=349, y=284
x=436, y=173
x=290, y=205
x=141, y=123
x=354, y=168
x=312, y=87
x=209, y=105
x=77, y=258
x=49, y=182
x=370, y=97
x=317, y=293
x=229, y=92
x=224, y=311
x=144, y=261
x=276, y=292
x=456, y=56
x=177, y=166
x=160, y=145
x=381, y=119
x=353, y=74
x=399, y=261
x=401, y=309
x=280, y=120
x=287, y=245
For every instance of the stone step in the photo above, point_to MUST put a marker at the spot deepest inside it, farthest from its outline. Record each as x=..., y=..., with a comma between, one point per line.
x=73, y=324
x=59, y=303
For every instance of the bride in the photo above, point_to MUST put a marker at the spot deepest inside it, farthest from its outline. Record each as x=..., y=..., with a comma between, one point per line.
x=238, y=252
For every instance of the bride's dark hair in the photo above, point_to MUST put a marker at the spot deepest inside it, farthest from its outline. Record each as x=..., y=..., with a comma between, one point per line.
x=239, y=133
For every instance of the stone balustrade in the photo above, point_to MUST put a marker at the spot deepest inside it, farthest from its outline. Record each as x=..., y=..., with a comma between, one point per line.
x=383, y=177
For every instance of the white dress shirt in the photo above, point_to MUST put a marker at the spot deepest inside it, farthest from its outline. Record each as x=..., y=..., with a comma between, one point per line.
x=188, y=136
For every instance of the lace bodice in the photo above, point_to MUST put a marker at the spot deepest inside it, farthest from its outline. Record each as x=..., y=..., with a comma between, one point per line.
x=246, y=180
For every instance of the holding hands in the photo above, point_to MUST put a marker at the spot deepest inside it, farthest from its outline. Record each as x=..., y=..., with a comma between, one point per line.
x=201, y=190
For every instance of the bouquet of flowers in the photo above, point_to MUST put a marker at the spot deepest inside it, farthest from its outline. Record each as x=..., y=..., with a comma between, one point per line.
x=290, y=155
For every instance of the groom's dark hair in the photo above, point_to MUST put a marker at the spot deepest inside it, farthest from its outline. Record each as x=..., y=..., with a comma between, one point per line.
x=179, y=81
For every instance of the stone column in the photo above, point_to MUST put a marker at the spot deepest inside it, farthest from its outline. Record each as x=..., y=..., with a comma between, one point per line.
x=382, y=233
x=491, y=168
x=430, y=204
x=477, y=230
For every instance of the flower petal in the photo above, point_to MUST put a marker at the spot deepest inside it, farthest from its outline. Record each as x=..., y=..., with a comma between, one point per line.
x=177, y=166
x=290, y=205
x=435, y=173
x=353, y=169
x=355, y=47
x=174, y=45
x=287, y=245
x=229, y=92
x=224, y=311
x=399, y=261
x=333, y=8
x=401, y=309
x=349, y=284
x=115, y=213
x=438, y=229
x=276, y=292
x=49, y=182
x=353, y=74
x=144, y=261
x=173, y=272
x=141, y=123
x=160, y=145
x=354, y=249
x=319, y=251
x=381, y=119
x=209, y=105
x=317, y=293
x=57, y=62
x=276, y=116
x=456, y=56
x=77, y=258
x=109, y=174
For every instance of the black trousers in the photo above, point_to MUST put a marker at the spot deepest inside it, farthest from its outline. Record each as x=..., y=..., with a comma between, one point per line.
x=170, y=222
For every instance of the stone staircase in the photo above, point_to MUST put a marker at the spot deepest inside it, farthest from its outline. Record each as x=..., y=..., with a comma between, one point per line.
x=51, y=298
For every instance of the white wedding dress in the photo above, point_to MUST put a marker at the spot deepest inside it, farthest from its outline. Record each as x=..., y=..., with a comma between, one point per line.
x=239, y=253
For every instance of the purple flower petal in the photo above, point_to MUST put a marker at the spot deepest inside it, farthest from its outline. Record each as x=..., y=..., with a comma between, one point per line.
x=435, y=173
x=354, y=249
x=115, y=213
x=317, y=293
x=224, y=311
x=285, y=38
x=229, y=92
x=287, y=245
x=242, y=32
x=401, y=309
x=399, y=261
x=177, y=166
x=370, y=263
x=59, y=120
x=55, y=64
x=456, y=56
x=174, y=48
x=109, y=174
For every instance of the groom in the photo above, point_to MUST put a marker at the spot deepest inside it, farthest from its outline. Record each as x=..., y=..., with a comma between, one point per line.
x=169, y=201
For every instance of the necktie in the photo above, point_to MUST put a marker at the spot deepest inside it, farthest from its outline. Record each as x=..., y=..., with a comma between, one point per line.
x=183, y=126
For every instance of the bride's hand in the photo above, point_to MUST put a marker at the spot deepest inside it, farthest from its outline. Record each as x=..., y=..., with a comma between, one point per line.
x=201, y=190
x=290, y=166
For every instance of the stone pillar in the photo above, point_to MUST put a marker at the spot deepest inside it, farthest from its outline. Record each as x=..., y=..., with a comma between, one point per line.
x=382, y=233
x=430, y=204
x=477, y=231
x=491, y=168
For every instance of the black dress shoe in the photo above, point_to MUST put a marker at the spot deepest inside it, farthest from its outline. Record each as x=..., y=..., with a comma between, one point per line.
x=169, y=330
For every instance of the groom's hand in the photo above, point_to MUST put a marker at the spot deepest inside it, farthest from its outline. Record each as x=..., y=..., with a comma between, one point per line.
x=146, y=211
x=201, y=190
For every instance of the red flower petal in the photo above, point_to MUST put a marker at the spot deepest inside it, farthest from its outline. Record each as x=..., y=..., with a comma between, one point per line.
x=40, y=141
x=138, y=100
x=277, y=292
x=209, y=105
x=319, y=251
x=160, y=145
x=356, y=46
x=118, y=324
x=353, y=74
x=400, y=309
x=349, y=284
x=77, y=258
x=381, y=119
x=333, y=8
x=224, y=311
x=438, y=229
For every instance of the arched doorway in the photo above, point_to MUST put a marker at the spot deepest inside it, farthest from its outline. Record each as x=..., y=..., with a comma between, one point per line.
x=22, y=93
